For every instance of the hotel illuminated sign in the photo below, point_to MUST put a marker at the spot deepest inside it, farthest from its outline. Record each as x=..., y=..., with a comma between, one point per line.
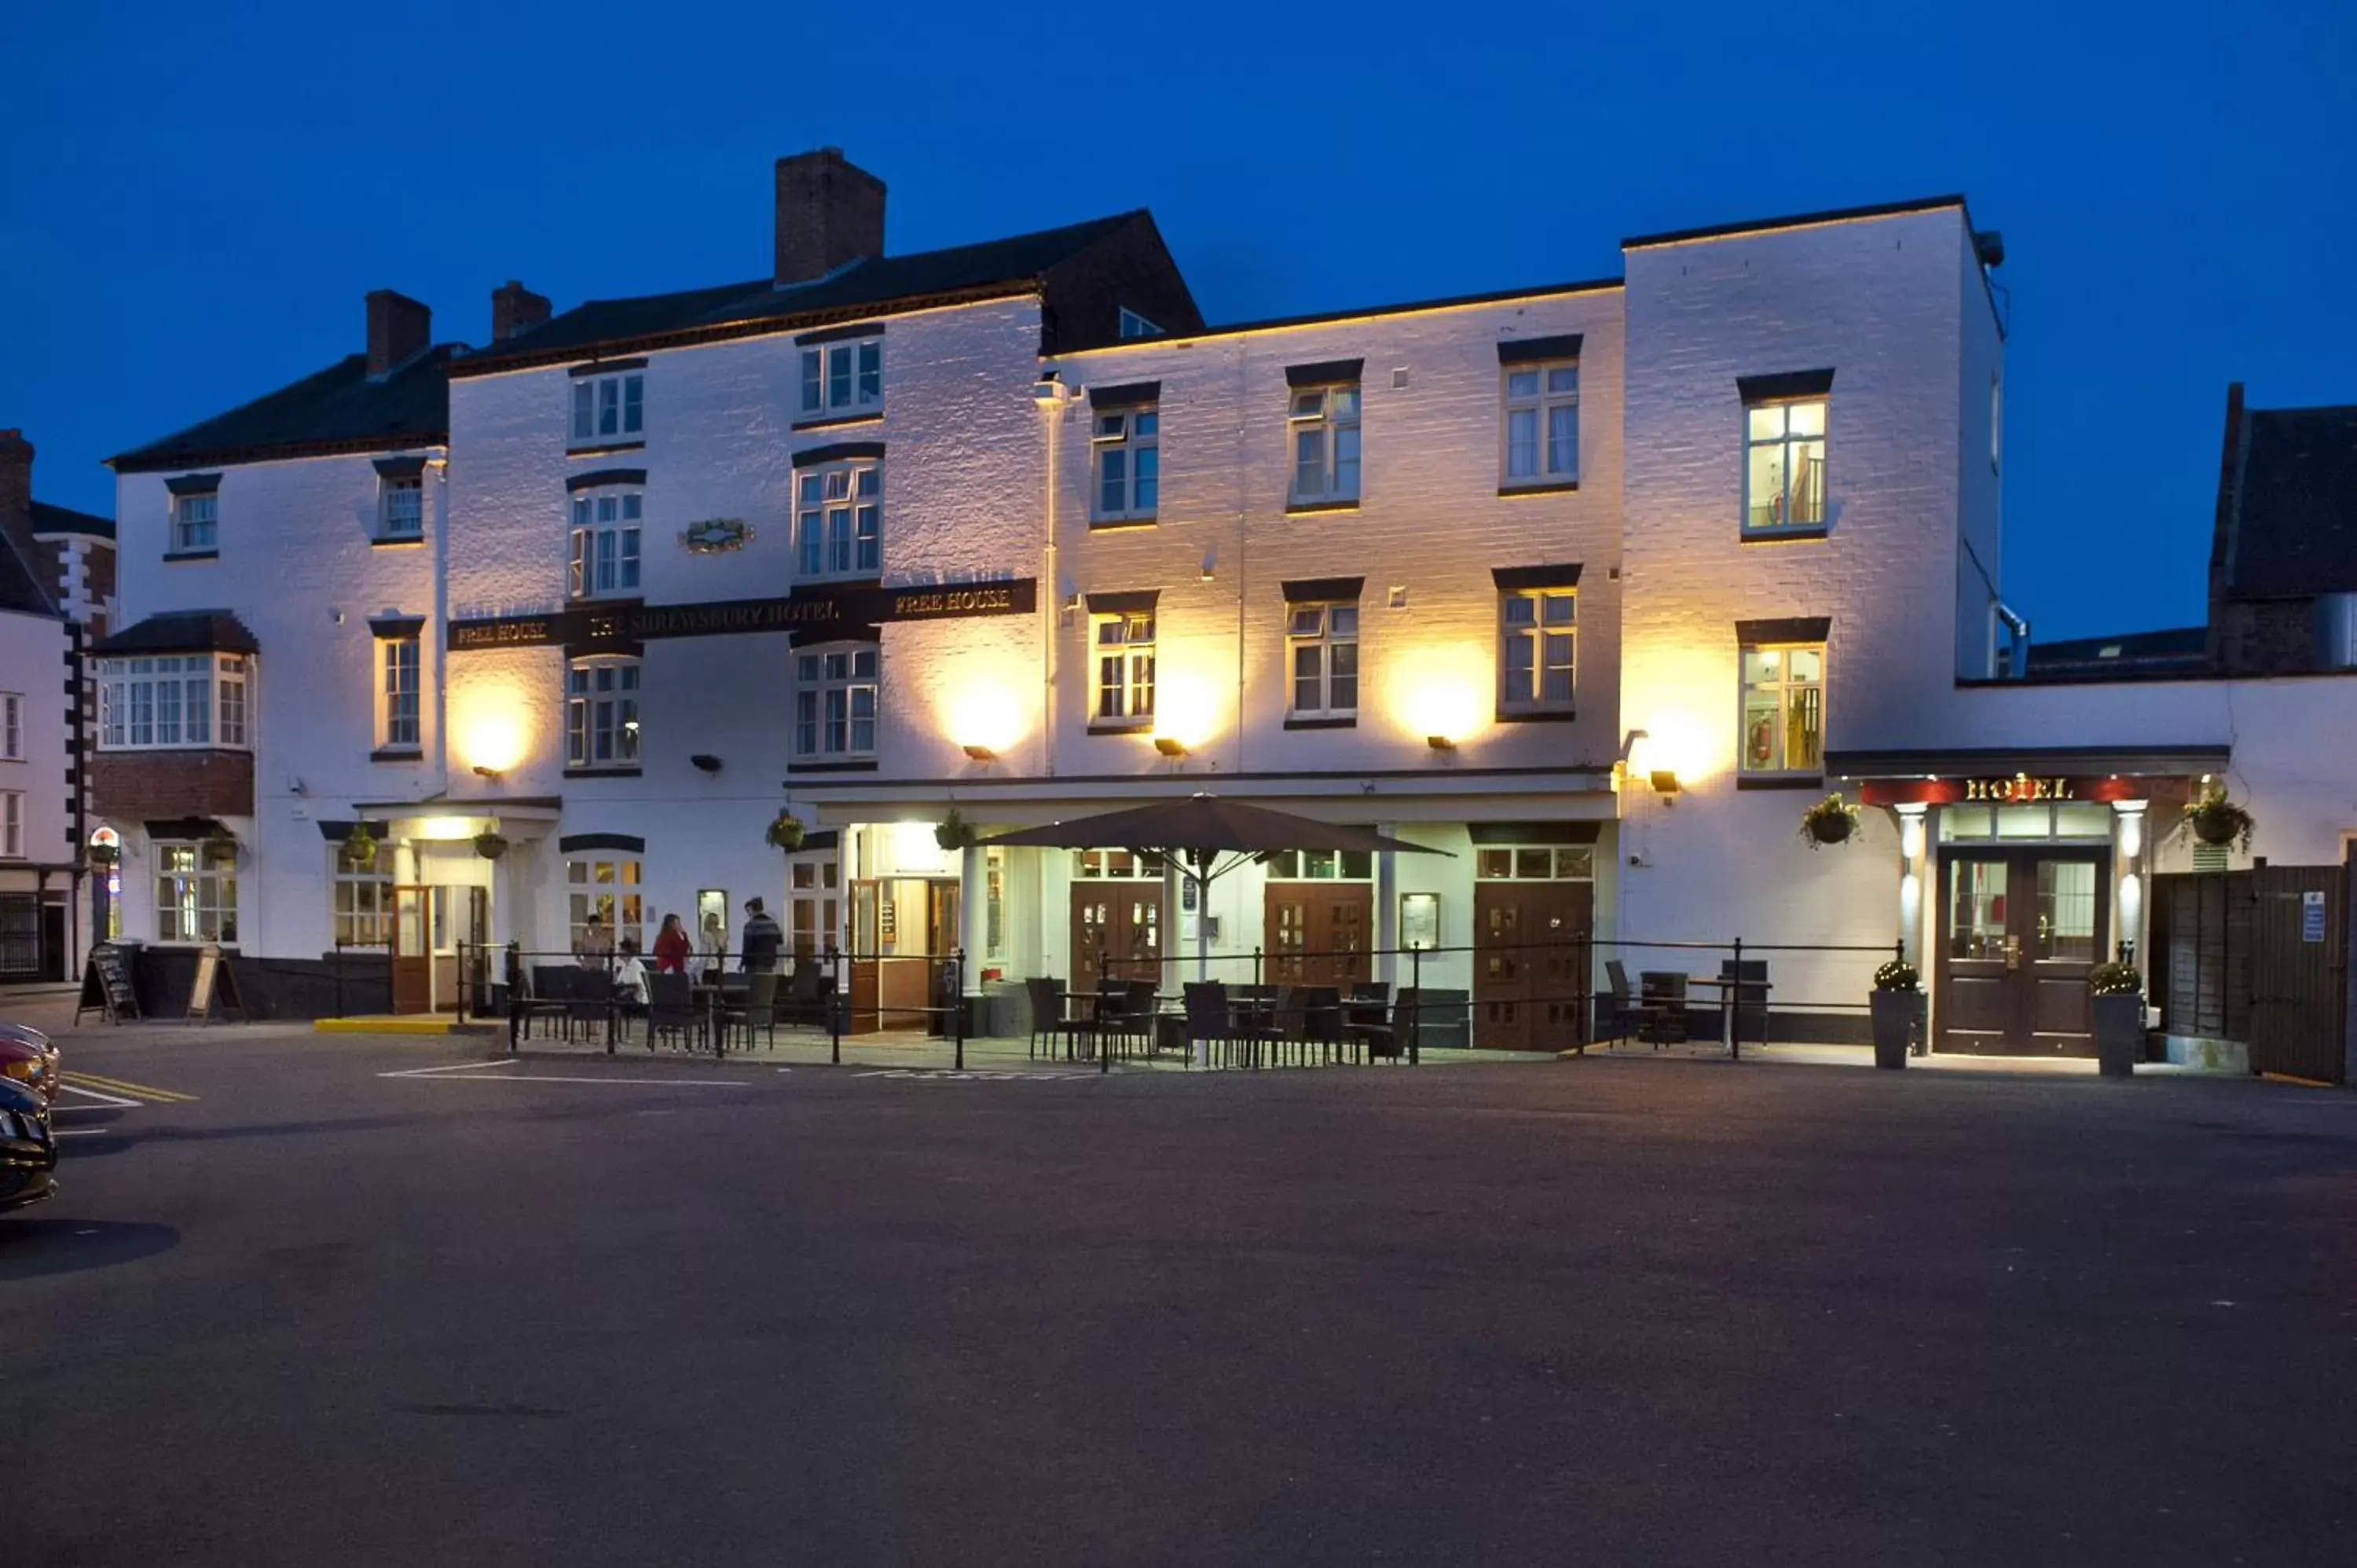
x=839, y=608
x=2020, y=789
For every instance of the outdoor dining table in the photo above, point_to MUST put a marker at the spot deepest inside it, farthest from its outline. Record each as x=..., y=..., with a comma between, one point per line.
x=1732, y=993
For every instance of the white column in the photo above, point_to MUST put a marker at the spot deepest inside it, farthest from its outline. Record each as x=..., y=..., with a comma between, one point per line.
x=2128, y=877
x=1386, y=934
x=1912, y=861
x=973, y=912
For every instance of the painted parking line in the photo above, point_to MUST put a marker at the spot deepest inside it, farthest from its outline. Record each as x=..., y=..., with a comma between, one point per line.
x=447, y=1075
x=138, y=1091
x=100, y=1100
x=949, y=1075
x=457, y=1067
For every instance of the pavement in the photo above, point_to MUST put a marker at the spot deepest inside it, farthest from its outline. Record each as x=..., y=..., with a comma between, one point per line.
x=357, y=1301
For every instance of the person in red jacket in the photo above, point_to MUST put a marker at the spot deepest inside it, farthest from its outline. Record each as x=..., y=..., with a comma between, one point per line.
x=671, y=947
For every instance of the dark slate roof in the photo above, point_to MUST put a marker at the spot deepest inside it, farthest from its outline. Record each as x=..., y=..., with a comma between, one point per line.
x=2184, y=649
x=339, y=409
x=48, y=519
x=20, y=585
x=183, y=631
x=2295, y=529
x=873, y=285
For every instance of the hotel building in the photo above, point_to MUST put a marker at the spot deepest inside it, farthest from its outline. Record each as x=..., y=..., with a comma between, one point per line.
x=1593, y=585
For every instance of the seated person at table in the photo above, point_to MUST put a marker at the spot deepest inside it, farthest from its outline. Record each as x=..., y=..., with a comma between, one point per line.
x=630, y=981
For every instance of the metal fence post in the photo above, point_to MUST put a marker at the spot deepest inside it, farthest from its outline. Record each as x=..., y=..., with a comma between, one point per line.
x=835, y=1002
x=1415, y=1014
x=1735, y=1001
x=957, y=1002
x=1258, y=980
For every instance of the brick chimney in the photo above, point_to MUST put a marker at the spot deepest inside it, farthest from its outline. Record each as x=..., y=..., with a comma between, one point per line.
x=515, y=308
x=16, y=492
x=830, y=211
x=399, y=329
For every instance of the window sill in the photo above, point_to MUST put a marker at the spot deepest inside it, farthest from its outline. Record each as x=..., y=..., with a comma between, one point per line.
x=173, y=555
x=398, y=541
x=866, y=767
x=1116, y=524
x=839, y=421
x=1547, y=488
x=1139, y=726
x=1534, y=715
x=1780, y=780
x=1349, y=722
x=1800, y=531
x=397, y=754
x=1296, y=508
x=604, y=447
x=604, y=772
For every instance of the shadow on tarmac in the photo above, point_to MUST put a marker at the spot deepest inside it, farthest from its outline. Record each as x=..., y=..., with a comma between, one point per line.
x=30, y=1248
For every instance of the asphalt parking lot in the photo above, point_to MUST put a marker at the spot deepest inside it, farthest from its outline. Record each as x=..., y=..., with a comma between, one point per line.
x=368, y=1300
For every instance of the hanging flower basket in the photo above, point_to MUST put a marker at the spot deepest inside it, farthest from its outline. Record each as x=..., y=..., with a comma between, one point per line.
x=1831, y=820
x=220, y=848
x=2218, y=821
x=785, y=831
x=105, y=855
x=360, y=847
x=490, y=845
x=954, y=832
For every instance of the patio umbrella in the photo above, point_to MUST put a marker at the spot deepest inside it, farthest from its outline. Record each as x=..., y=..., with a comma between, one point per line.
x=1195, y=833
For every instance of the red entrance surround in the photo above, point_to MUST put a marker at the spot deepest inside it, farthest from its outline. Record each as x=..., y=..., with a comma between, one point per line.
x=2024, y=790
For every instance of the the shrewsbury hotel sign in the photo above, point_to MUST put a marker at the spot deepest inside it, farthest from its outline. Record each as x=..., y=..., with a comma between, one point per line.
x=818, y=610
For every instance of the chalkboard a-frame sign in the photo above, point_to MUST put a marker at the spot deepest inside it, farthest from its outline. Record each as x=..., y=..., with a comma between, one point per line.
x=106, y=986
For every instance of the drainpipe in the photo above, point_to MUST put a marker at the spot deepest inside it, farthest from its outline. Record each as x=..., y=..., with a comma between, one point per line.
x=1049, y=394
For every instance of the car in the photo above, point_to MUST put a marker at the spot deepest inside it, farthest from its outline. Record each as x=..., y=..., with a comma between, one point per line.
x=28, y=1150
x=28, y=1057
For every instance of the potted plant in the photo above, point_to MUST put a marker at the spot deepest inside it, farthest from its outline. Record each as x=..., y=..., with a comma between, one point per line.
x=220, y=848
x=2119, y=1017
x=1830, y=821
x=2218, y=821
x=785, y=831
x=954, y=832
x=490, y=845
x=1897, y=1003
x=360, y=847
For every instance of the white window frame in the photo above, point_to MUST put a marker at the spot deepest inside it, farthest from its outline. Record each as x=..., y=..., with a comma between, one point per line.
x=12, y=726
x=400, y=686
x=608, y=533
x=601, y=714
x=1556, y=863
x=359, y=903
x=402, y=522
x=1125, y=466
x=607, y=411
x=837, y=702
x=1133, y=324
x=1522, y=686
x=839, y=519
x=611, y=885
x=1320, y=636
x=842, y=378
x=1787, y=690
x=196, y=902
x=12, y=824
x=196, y=524
x=1123, y=647
x=1320, y=422
x=1551, y=388
x=152, y=702
x=1789, y=413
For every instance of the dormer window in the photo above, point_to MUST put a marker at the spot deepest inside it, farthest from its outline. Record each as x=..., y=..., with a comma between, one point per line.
x=1133, y=324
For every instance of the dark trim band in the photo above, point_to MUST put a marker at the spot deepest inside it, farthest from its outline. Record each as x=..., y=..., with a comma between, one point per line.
x=396, y=626
x=1553, y=488
x=336, y=833
x=572, y=842
x=836, y=334
x=1322, y=590
x=797, y=768
x=1298, y=507
x=400, y=468
x=604, y=772
x=1790, y=628
x=838, y=421
x=838, y=452
x=1136, y=602
x=193, y=484
x=1510, y=579
x=1780, y=780
x=1786, y=383
x=1529, y=351
x=599, y=479
x=1323, y=373
x=607, y=366
x=1129, y=395
x=1534, y=833
x=820, y=636
x=1351, y=722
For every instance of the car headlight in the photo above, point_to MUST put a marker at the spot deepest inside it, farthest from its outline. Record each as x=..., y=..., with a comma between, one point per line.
x=13, y=1125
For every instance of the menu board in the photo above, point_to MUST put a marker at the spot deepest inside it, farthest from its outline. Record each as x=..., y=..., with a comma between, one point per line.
x=106, y=986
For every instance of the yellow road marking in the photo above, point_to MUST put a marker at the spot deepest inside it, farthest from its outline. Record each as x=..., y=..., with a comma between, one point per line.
x=119, y=1086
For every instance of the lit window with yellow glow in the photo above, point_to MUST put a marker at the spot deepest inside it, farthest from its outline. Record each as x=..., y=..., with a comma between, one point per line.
x=1538, y=651
x=1784, y=466
x=1783, y=710
x=1125, y=645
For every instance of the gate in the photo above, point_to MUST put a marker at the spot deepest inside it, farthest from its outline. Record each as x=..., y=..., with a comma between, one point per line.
x=2259, y=956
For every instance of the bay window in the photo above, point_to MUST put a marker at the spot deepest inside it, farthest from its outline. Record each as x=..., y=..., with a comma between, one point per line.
x=172, y=701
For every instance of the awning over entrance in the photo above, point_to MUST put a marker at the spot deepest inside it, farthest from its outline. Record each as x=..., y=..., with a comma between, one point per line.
x=2023, y=775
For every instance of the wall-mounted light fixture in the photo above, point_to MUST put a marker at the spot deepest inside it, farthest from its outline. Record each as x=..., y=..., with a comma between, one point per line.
x=1440, y=743
x=982, y=754
x=483, y=772
x=1170, y=745
x=706, y=762
x=1664, y=780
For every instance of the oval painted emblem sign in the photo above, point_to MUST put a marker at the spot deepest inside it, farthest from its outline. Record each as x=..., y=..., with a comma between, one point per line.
x=715, y=534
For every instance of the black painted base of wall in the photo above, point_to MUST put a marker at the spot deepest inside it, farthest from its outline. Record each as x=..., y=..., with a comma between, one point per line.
x=272, y=989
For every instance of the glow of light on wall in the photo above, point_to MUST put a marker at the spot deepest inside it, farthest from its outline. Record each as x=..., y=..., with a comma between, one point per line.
x=916, y=852
x=1442, y=691
x=2131, y=902
x=491, y=731
x=980, y=708
x=1186, y=708
x=1676, y=741
x=1910, y=833
x=444, y=828
x=2131, y=832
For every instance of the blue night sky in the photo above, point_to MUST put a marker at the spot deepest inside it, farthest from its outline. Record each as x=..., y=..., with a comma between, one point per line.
x=193, y=199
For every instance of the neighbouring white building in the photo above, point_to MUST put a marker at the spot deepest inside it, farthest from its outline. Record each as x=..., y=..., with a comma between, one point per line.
x=1594, y=585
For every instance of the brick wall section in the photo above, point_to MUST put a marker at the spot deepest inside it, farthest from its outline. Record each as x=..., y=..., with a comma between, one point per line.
x=129, y=788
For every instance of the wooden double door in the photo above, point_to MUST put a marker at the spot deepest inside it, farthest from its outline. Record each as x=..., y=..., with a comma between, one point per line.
x=1116, y=932
x=1530, y=987
x=1318, y=933
x=2020, y=929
